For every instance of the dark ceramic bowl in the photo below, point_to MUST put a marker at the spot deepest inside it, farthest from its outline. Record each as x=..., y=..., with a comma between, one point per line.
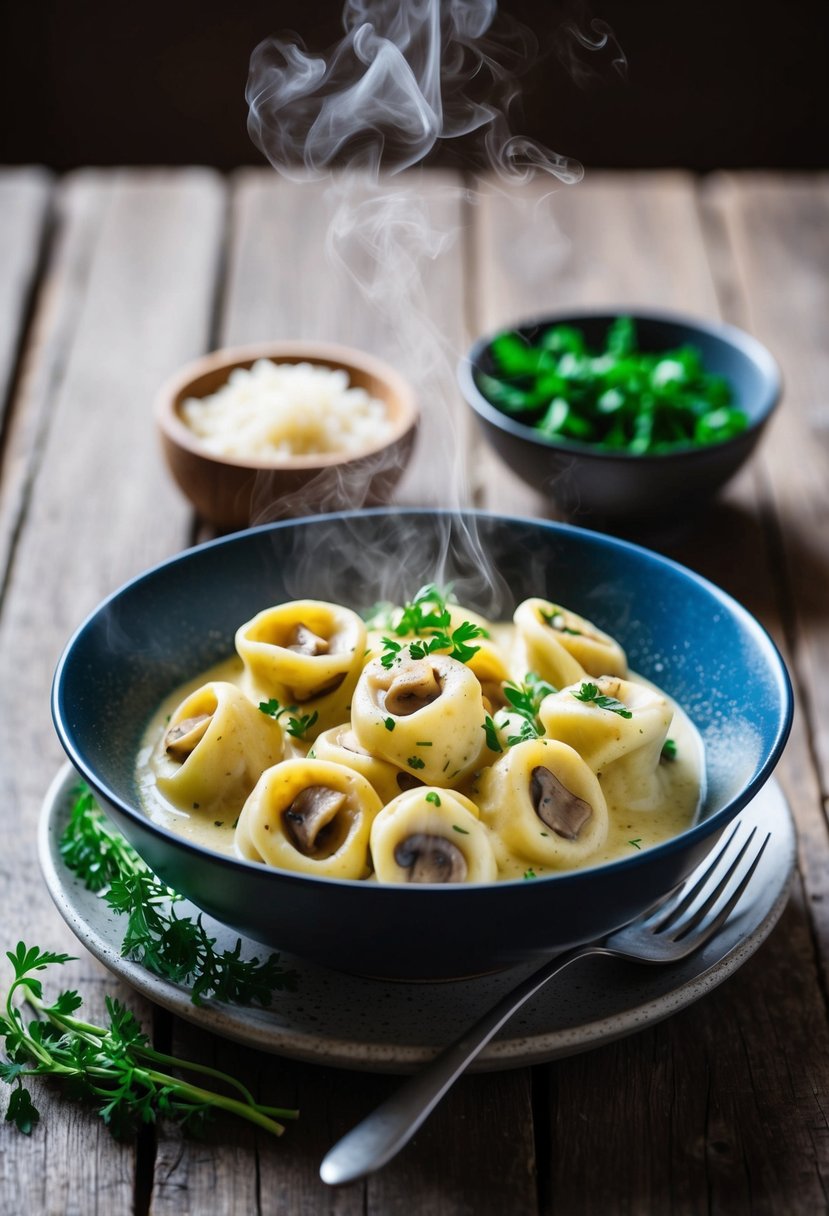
x=590, y=484
x=172, y=622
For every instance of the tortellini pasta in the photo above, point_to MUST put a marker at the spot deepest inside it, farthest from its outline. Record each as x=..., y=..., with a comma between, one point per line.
x=432, y=835
x=213, y=750
x=432, y=747
x=425, y=715
x=544, y=803
x=311, y=816
x=308, y=653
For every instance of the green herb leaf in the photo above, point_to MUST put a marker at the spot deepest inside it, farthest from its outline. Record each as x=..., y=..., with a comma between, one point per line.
x=178, y=948
x=669, y=750
x=433, y=798
x=530, y=873
x=462, y=831
x=589, y=694
x=637, y=843
x=416, y=762
x=491, y=733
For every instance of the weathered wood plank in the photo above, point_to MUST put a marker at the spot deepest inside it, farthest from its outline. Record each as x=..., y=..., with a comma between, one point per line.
x=614, y=240
x=777, y=285
x=99, y=509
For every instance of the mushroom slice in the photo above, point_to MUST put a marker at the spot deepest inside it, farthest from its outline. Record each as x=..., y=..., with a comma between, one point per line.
x=182, y=738
x=430, y=859
x=414, y=686
x=556, y=806
x=313, y=810
x=305, y=641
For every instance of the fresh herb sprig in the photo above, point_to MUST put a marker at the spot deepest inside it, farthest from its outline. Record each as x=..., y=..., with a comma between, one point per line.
x=590, y=695
x=525, y=700
x=620, y=398
x=427, y=619
x=176, y=947
x=112, y=1066
x=297, y=725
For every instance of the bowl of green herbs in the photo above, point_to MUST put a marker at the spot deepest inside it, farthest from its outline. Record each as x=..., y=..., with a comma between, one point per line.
x=622, y=415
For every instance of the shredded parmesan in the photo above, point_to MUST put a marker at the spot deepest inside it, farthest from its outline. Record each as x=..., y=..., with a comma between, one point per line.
x=275, y=410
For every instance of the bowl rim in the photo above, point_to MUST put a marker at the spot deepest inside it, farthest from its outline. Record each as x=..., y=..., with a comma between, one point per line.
x=724, y=331
x=169, y=395
x=666, y=848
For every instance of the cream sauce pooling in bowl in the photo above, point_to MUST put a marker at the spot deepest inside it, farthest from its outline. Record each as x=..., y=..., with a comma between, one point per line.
x=374, y=757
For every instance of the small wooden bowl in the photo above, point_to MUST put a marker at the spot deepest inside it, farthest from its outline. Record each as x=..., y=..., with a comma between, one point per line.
x=231, y=492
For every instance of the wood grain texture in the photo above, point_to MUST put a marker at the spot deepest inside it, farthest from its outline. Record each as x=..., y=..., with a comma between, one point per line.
x=125, y=300
x=720, y=1109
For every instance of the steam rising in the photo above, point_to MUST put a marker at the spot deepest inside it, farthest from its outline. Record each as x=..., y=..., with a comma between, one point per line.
x=406, y=75
x=401, y=79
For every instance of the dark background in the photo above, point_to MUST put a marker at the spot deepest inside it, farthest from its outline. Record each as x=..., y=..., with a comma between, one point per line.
x=725, y=84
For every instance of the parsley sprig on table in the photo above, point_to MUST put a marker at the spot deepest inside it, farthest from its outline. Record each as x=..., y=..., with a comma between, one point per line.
x=112, y=1066
x=619, y=398
x=176, y=947
x=589, y=693
x=425, y=617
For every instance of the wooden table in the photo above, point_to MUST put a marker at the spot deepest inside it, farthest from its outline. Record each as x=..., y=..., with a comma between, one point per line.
x=110, y=281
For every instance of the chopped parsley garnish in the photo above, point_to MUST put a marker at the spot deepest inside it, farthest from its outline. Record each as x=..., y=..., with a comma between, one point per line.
x=589, y=693
x=555, y=619
x=389, y=723
x=416, y=762
x=297, y=723
x=525, y=699
x=669, y=750
x=492, y=740
x=462, y=831
x=530, y=873
x=424, y=743
x=637, y=843
x=433, y=798
x=427, y=619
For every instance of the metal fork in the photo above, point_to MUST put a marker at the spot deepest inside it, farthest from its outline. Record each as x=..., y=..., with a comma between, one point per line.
x=680, y=923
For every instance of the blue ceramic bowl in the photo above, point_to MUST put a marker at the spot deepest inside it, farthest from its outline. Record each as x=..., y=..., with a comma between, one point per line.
x=172, y=622
x=590, y=484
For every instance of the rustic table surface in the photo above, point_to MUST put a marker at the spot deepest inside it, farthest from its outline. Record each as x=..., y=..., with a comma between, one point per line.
x=110, y=280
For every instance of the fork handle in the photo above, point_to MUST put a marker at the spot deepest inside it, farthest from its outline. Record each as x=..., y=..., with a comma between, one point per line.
x=383, y=1133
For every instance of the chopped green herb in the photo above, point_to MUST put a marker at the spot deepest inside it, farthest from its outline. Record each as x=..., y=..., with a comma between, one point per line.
x=589, y=693
x=298, y=723
x=525, y=699
x=555, y=619
x=112, y=1066
x=416, y=762
x=618, y=398
x=530, y=873
x=491, y=733
x=637, y=843
x=389, y=723
x=462, y=831
x=669, y=749
x=424, y=743
x=433, y=797
x=218, y=823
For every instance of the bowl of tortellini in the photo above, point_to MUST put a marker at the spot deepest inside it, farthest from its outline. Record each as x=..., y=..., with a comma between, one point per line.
x=419, y=744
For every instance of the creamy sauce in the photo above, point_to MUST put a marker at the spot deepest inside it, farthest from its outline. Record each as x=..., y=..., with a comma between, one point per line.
x=680, y=783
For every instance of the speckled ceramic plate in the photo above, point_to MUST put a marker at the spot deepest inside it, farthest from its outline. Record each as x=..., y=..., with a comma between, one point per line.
x=350, y=1022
